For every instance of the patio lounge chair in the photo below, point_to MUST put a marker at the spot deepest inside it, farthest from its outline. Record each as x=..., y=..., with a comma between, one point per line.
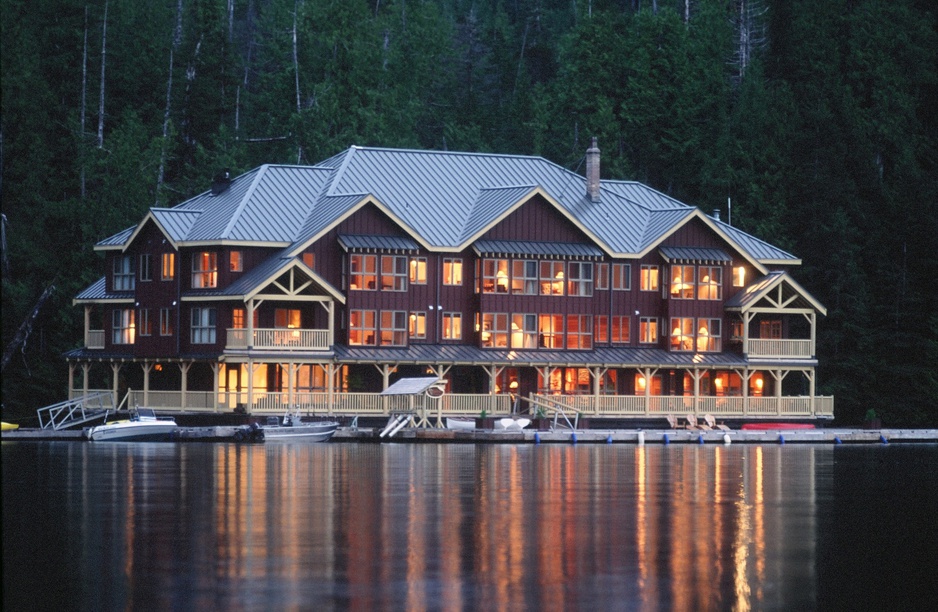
x=712, y=422
x=672, y=421
x=693, y=424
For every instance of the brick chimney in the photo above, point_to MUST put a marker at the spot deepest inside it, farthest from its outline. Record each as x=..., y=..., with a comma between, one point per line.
x=592, y=171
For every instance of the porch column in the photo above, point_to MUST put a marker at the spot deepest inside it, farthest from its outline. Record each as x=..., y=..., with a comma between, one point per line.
x=147, y=366
x=87, y=324
x=71, y=379
x=648, y=373
x=813, y=321
x=746, y=375
x=696, y=374
x=747, y=319
x=215, y=368
x=598, y=372
x=184, y=386
x=115, y=369
x=330, y=385
x=250, y=339
x=291, y=382
x=809, y=374
x=250, y=402
x=330, y=314
x=85, y=369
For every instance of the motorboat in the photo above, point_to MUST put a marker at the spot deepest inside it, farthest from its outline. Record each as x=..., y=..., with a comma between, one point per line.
x=142, y=425
x=292, y=428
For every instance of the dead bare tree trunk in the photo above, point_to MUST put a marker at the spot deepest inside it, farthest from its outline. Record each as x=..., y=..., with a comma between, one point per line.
x=84, y=100
x=101, y=99
x=23, y=332
x=296, y=72
x=177, y=37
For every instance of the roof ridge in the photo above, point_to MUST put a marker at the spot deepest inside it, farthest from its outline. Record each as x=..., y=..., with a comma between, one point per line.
x=261, y=171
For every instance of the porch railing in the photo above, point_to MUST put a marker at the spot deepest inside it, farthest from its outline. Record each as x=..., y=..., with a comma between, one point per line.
x=94, y=339
x=280, y=339
x=779, y=348
x=678, y=405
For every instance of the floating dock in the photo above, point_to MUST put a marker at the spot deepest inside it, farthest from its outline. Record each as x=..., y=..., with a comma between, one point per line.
x=226, y=433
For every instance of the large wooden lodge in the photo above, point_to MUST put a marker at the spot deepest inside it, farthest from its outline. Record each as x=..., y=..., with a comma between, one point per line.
x=506, y=276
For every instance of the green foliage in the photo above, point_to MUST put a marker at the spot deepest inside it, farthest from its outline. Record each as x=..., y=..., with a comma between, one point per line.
x=826, y=145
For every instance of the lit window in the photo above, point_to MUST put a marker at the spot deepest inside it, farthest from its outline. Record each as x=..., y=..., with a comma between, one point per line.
x=550, y=330
x=285, y=318
x=494, y=276
x=494, y=332
x=551, y=277
x=452, y=271
x=145, y=274
x=418, y=271
x=203, y=326
x=602, y=276
x=168, y=270
x=649, y=280
x=393, y=327
x=362, y=328
x=364, y=272
x=123, y=326
x=146, y=325
x=739, y=276
x=235, y=261
x=524, y=331
x=309, y=259
x=682, y=334
x=648, y=330
x=393, y=273
x=770, y=330
x=524, y=277
x=579, y=332
x=709, y=283
x=204, y=270
x=166, y=322
x=621, y=326
x=239, y=318
x=601, y=329
x=580, y=279
x=452, y=326
x=621, y=277
x=682, y=282
x=418, y=325
x=123, y=273
x=708, y=335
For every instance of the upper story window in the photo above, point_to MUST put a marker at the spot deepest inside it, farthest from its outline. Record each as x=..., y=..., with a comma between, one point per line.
x=524, y=331
x=524, y=277
x=452, y=326
x=168, y=269
x=123, y=273
x=310, y=260
x=621, y=326
x=145, y=273
x=682, y=282
x=393, y=328
x=146, y=325
x=364, y=272
x=452, y=271
x=709, y=283
x=123, y=326
x=205, y=270
x=418, y=271
x=393, y=273
x=203, y=326
x=709, y=335
x=682, y=334
x=621, y=277
x=739, y=276
x=648, y=330
x=579, y=332
x=580, y=278
x=418, y=325
x=286, y=318
x=602, y=276
x=770, y=330
x=166, y=322
x=494, y=276
x=706, y=336
x=239, y=320
x=649, y=280
x=235, y=261
x=363, y=328
x=494, y=332
x=550, y=330
x=551, y=277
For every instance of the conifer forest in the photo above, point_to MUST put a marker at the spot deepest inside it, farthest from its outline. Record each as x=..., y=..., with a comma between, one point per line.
x=816, y=119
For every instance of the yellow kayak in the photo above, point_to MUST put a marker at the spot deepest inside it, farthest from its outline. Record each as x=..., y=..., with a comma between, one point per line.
x=8, y=426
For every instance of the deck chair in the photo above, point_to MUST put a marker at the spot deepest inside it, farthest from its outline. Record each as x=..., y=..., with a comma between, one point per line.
x=672, y=421
x=712, y=422
x=693, y=424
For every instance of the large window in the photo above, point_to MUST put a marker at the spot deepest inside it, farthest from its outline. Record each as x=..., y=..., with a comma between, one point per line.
x=239, y=319
x=524, y=331
x=550, y=330
x=551, y=277
x=648, y=330
x=708, y=335
x=204, y=270
x=621, y=277
x=770, y=329
x=682, y=282
x=580, y=278
x=166, y=321
x=709, y=283
x=123, y=273
x=364, y=272
x=452, y=271
x=418, y=325
x=123, y=326
x=452, y=326
x=418, y=270
x=494, y=276
x=705, y=337
x=287, y=318
x=739, y=276
x=393, y=273
x=579, y=332
x=393, y=328
x=620, y=329
x=168, y=269
x=649, y=280
x=494, y=332
x=203, y=326
x=145, y=273
x=682, y=334
x=362, y=329
x=524, y=277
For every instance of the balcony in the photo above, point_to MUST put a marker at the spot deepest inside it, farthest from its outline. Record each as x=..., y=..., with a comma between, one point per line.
x=94, y=339
x=280, y=339
x=792, y=349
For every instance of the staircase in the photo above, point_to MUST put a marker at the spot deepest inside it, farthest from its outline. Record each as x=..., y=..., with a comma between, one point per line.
x=76, y=411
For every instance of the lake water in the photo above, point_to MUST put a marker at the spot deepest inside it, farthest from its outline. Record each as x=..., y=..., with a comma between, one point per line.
x=468, y=527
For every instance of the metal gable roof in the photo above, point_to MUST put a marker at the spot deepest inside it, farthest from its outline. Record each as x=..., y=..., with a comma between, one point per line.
x=117, y=239
x=97, y=291
x=176, y=222
x=490, y=203
x=694, y=254
x=755, y=291
x=536, y=249
x=356, y=242
x=758, y=249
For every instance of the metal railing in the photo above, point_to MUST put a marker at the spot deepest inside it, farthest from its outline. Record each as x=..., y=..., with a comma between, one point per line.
x=280, y=339
x=661, y=405
x=758, y=347
x=75, y=411
x=94, y=339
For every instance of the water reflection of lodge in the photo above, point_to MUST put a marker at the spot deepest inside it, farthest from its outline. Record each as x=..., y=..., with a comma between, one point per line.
x=318, y=286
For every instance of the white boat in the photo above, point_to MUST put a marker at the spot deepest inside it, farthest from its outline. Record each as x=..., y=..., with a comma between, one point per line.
x=292, y=428
x=143, y=424
x=456, y=423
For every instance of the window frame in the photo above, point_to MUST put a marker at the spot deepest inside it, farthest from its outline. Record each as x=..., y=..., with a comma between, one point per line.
x=236, y=261
x=123, y=326
x=522, y=282
x=417, y=272
x=496, y=325
x=453, y=271
x=551, y=276
x=452, y=326
x=650, y=277
x=417, y=325
x=621, y=277
x=168, y=266
x=579, y=332
x=146, y=273
x=366, y=275
x=394, y=278
x=205, y=277
x=144, y=323
x=363, y=327
x=580, y=282
x=710, y=289
x=491, y=268
x=203, y=325
x=166, y=322
x=681, y=289
x=124, y=277
x=393, y=328
x=648, y=330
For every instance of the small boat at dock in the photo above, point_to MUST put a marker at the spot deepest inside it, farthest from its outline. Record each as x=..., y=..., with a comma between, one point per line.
x=292, y=428
x=143, y=425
